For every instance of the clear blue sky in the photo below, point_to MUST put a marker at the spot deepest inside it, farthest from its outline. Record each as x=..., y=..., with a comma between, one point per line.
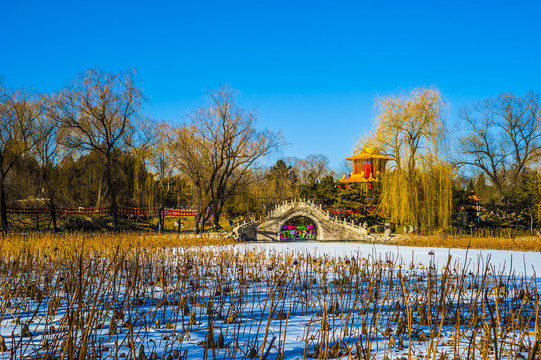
x=311, y=68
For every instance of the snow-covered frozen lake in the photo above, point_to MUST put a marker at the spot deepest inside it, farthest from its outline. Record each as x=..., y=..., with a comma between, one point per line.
x=528, y=263
x=281, y=300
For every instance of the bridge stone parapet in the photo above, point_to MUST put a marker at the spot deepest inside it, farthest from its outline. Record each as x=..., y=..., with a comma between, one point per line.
x=327, y=227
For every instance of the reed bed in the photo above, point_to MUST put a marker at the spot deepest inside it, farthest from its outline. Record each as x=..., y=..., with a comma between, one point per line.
x=136, y=297
x=520, y=243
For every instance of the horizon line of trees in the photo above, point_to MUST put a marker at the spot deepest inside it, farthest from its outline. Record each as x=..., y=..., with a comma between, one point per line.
x=90, y=144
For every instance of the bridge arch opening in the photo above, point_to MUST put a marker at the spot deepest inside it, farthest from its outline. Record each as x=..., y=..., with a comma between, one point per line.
x=298, y=228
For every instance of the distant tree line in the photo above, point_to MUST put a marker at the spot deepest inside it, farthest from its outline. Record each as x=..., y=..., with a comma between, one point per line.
x=90, y=144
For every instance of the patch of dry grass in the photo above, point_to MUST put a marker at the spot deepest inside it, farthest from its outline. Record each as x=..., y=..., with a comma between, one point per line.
x=531, y=243
x=44, y=243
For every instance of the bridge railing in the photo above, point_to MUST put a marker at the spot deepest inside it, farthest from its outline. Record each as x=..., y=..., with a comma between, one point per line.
x=281, y=209
x=288, y=204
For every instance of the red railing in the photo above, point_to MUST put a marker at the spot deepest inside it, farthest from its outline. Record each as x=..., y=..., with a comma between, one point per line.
x=102, y=211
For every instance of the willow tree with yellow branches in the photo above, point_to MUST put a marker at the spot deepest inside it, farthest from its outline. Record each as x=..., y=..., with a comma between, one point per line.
x=417, y=189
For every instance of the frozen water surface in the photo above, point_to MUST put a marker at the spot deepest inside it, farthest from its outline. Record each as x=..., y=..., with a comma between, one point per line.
x=528, y=263
x=296, y=300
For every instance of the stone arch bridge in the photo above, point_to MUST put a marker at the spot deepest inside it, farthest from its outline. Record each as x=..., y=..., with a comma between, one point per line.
x=328, y=228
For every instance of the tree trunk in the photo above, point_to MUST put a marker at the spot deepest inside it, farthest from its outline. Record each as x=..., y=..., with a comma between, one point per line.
x=216, y=222
x=3, y=208
x=531, y=220
x=52, y=212
x=114, y=210
x=204, y=219
x=198, y=202
x=216, y=219
x=53, y=217
x=46, y=179
x=196, y=220
x=51, y=202
x=98, y=201
x=112, y=194
x=161, y=218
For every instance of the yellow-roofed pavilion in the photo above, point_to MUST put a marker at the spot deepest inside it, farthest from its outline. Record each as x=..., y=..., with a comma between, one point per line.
x=368, y=166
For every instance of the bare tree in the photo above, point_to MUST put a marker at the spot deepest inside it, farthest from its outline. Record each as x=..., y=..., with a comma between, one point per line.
x=97, y=113
x=218, y=149
x=313, y=167
x=19, y=110
x=193, y=159
x=49, y=153
x=163, y=167
x=503, y=137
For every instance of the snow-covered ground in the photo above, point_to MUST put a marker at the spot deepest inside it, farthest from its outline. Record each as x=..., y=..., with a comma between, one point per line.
x=528, y=263
x=296, y=300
